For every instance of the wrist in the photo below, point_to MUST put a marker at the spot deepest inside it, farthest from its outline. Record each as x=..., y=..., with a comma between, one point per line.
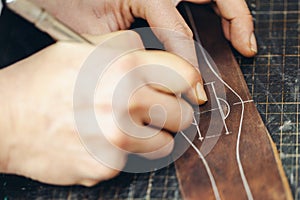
x=6, y=123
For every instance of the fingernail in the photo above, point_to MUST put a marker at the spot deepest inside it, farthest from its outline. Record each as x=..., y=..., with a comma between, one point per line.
x=253, y=45
x=200, y=92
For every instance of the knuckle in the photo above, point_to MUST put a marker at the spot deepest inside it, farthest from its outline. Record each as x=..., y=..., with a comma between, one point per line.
x=104, y=174
x=183, y=28
x=89, y=183
x=120, y=140
x=242, y=18
x=127, y=62
x=192, y=75
x=111, y=173
x=137, y=102
x=133, y=35
x=134, y=39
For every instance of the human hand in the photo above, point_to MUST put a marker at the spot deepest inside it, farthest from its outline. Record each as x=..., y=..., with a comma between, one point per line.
x=104, y=16
x=39, y=137
x=237, y=23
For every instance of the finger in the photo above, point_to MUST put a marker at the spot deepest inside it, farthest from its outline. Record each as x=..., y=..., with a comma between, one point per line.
x=170, y=73
x=241, y=25
x=142, y=139
x=226, y=28
x=92, y=171
x=225, y=23
x=96, y=39
x=198, y=1
x=123, y=139
x=159, y=145
x=176, y=113
x=120, y=39
x=175, y=35
x=168, y=25
x=162, y=110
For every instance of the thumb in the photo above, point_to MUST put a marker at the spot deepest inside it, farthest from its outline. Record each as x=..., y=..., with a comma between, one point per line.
x=169, y=26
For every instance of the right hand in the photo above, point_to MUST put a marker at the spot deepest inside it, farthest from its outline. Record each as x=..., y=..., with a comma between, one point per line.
x=105, y=16
x=38, y=134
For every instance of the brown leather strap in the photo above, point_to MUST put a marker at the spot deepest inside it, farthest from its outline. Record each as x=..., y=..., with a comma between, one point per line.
x=236, y=159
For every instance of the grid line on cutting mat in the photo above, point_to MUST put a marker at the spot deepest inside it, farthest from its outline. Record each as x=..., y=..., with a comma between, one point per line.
x=273, y=78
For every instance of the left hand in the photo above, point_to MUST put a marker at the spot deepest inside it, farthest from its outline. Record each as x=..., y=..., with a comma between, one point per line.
x=237, y=24
x=105, y=16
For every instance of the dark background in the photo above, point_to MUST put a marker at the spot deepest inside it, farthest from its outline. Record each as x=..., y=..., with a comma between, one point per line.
x=273, y=78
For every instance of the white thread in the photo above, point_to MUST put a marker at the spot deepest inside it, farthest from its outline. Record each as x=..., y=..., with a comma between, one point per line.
x=198, y=129
x=211, y=177
x=238, y=103
x=245, y=183
x=221, y=110
x=227, y=104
